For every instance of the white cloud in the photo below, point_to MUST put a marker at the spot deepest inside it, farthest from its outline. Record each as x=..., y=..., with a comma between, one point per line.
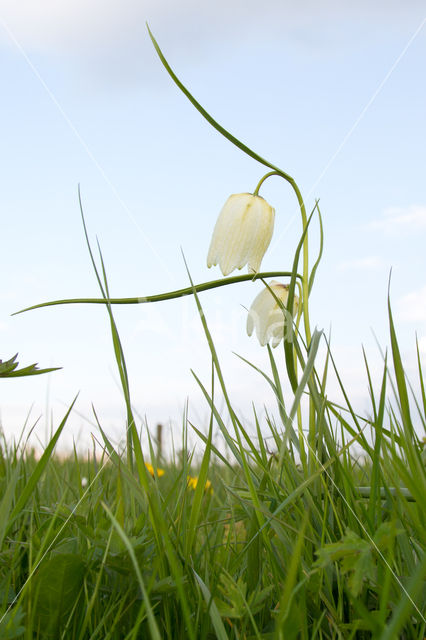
x=397, y=220
x=412, y=306
x=103, y=29
x=362, y=264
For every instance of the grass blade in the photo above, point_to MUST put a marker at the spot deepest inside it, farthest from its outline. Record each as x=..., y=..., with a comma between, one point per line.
x=36, y=474
x=213, y=610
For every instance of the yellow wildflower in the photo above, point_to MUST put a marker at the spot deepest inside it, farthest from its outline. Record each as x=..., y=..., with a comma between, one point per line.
x=160, y=472
x=193, y=481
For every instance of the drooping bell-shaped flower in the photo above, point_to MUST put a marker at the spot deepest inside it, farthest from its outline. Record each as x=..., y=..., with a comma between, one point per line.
x=266, y=315
x=242, y=233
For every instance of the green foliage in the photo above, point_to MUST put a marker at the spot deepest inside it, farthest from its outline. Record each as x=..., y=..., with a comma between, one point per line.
x=57, y=585
x=357, y=556
x=9, y=369
x=304, y=559
x=11, y=625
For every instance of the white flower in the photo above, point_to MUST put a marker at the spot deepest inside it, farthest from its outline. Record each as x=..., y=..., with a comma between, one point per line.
x=266, y=315
x=242, y=233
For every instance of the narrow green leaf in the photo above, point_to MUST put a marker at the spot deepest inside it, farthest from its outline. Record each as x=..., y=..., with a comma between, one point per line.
x=289, y=334
x=212, y=608
x=407, y=604
x=153, y=627
x=209, y=118
x=399, y=374
x=198, y=496
x=160, y=297
x=318, y=260
x=230, y=442
x=36, y=474
x=307, y=371
x=293, y=569
x=378, y=431
x=7, y=501
x=421, y=380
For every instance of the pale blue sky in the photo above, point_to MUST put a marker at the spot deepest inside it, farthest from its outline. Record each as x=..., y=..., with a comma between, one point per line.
x=335, y=96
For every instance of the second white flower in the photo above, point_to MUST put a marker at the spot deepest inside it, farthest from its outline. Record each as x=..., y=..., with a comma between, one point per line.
x=266, y=315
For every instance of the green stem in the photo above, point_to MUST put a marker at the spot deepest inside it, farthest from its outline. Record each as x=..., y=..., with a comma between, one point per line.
x=205, y=286
x=305, y=296
x=256, y=157
x=266, y=163
x=305, y=279
x=262, y=180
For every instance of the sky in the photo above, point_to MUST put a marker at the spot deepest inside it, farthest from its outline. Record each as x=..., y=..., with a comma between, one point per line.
x=333, y=93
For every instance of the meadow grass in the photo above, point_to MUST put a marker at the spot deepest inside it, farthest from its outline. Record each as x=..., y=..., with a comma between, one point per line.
x=288, y=541
x=311, y=527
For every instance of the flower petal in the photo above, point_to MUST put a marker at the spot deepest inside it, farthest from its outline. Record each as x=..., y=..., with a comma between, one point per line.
x=242, y=233
x=266, y=315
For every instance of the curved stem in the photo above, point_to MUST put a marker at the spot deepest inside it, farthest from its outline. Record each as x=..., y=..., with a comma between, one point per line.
x=258, y=158
x=305, y=279
x=299, y=310
x=262, y=180
x=205, y=286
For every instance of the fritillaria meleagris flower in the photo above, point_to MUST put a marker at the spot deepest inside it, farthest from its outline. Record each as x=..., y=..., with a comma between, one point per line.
x=242, y=233
x=267, y=317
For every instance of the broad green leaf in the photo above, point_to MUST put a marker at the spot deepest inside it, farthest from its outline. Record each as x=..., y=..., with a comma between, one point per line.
x=57, y=586
x=12, y=624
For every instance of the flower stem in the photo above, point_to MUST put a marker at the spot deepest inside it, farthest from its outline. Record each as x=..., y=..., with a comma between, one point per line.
x=204, y=286
x=305, y=277
x=275, y=171
x=262, y=180
x=305, y=280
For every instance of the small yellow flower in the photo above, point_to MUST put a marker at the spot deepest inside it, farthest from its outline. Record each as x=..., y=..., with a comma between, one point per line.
x=160, y=472
x=242, y=233
x=266, y=315
x=192, y=483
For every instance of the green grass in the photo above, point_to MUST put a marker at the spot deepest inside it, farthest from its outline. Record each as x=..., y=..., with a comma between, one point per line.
x=301, y=542
x=328, y=548
x=312, y=526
